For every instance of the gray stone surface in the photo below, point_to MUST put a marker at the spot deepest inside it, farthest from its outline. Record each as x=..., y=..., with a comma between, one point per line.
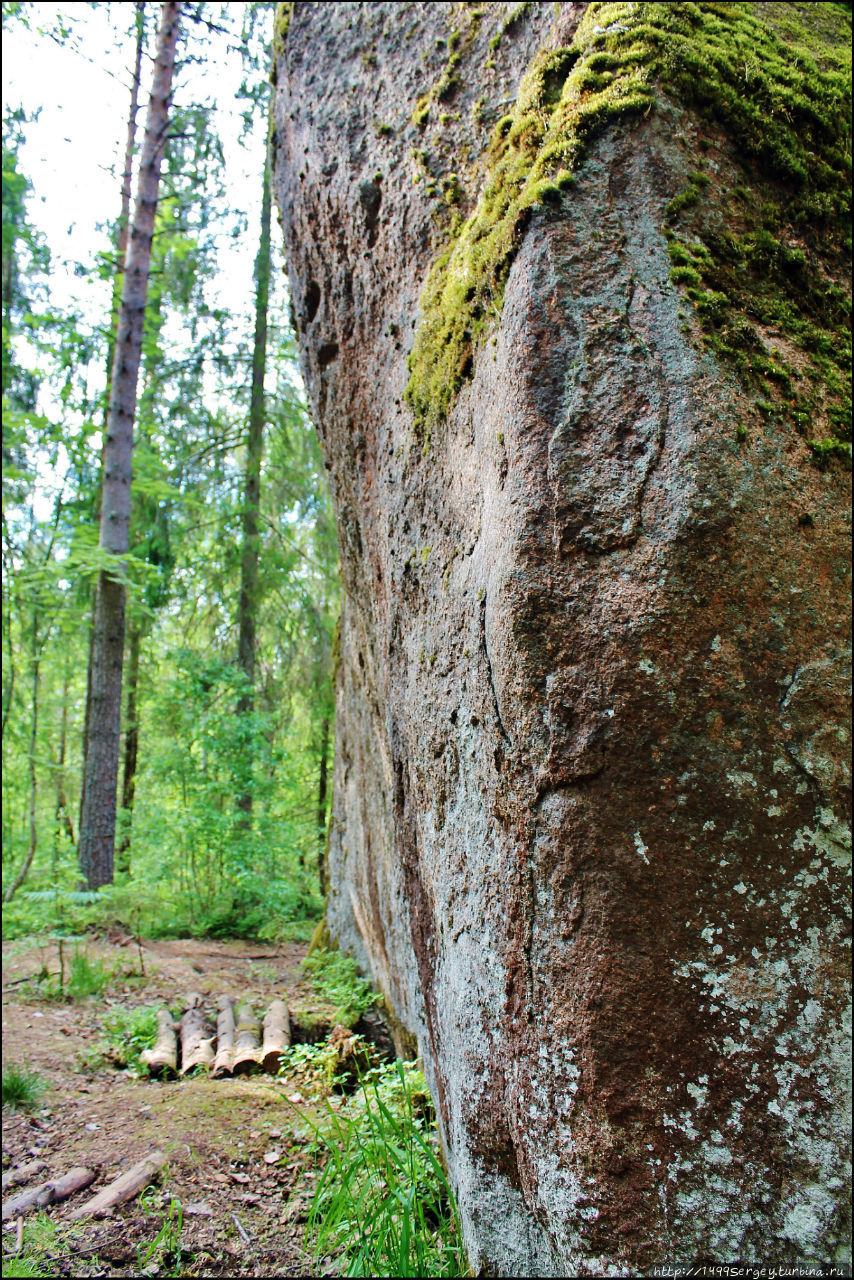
x=590, y=819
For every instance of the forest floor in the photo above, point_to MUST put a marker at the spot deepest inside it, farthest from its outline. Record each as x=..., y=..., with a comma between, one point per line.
x=234, y=1146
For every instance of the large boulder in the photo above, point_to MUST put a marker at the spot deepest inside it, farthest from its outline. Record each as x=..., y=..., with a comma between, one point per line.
x=571, y=301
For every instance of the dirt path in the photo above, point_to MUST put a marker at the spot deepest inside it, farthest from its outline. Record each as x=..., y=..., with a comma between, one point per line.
x=234, y=1203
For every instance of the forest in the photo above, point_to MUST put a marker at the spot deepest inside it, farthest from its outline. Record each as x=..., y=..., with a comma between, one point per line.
x=227, y=568
x=426, y=666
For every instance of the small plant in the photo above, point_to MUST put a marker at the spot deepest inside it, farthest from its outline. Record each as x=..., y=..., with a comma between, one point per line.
x=168, y=1237
x=128, y=1032
x=335, y=978
x=21, y=1087
x=313, y=1066
x=86, y=977
x=382, y=1195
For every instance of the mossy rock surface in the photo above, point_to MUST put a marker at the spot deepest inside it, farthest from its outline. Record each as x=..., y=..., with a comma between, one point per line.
x=773, y=81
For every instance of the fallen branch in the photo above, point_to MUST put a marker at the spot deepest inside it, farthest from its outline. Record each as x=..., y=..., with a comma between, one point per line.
x=124, y=1187
x=77, y=1179
x=163, y=1057
x=241, y=1228
x=24, y=1172
x=277, y=1035
x=224, y=1061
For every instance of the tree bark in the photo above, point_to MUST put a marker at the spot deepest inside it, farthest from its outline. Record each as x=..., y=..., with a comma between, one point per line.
x=31, y=768
x=277, y=1035
x=63, y=816
x=124, y=1187
x=248, y=609
x=131, y=745
x=163, y=1057
x=196, y=1038
x=77, y=1179
x=17, y=1177
x=98, y=816
x=222, y=1064
x=121, y=253
x=247, y=1052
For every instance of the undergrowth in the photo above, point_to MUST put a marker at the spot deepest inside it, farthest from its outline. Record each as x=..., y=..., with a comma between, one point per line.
x=128, y=1032
x=381, y=1198
x=336, y=980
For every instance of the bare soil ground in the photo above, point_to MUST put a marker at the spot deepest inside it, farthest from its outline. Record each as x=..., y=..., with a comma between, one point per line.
x=238, y=1213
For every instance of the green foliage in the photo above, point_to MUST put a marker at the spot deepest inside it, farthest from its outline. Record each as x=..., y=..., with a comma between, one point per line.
x=312, y=1065
x=22, y=1267
x=336, y=979
x=87, y=977
x=128, y=1032
x=167, y=1243
x=195, y=863
x=22, y=1088
x=382, y=1196
x=781, y=90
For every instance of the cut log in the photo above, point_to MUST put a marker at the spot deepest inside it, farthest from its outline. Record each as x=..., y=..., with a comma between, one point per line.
x=247, y=1051
x=163, y=1058
x=224, y=1060
x=277, y=1035
x=196, y=1037
x=17, y=1177
x=39, y=1197
x=124, y=1187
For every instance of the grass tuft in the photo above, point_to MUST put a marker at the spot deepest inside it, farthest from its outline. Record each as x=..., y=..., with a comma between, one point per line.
x=381, y=1196
x=22, y=1088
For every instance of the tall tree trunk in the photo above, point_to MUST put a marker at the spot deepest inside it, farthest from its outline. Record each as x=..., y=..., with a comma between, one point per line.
x=98, y=817
x=33, y=779
x=248, y=609
x=63, y=816
x=131, y=744
x=121, y=254
x=321, y=805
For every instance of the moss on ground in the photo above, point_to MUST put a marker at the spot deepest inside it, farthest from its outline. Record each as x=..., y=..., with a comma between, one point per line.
x=777, y=79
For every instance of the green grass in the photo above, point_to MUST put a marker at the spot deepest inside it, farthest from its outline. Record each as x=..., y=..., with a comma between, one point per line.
x=22, y=1088
x=21, y=1267
x=167, y=1243
x=382, y=1200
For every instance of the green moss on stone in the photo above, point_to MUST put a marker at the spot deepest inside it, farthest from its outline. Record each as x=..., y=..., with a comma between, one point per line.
x=779, y=84
x=281, y=23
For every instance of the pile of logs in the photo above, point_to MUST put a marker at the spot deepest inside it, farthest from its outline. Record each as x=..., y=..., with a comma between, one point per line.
x=238, y=1045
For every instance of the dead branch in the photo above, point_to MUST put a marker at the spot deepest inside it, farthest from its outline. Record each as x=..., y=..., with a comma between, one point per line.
x=123, y=1188
x=39, y=1197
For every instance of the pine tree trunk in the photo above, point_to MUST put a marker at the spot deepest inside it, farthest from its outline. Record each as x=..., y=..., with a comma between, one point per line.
x=31, y=768
x=63, y=817
x=131, y=745
x=121, y=253
x=248, y=609
x=98, y=817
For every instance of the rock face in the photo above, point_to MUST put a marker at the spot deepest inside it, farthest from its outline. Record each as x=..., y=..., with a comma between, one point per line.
x=591, y=803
